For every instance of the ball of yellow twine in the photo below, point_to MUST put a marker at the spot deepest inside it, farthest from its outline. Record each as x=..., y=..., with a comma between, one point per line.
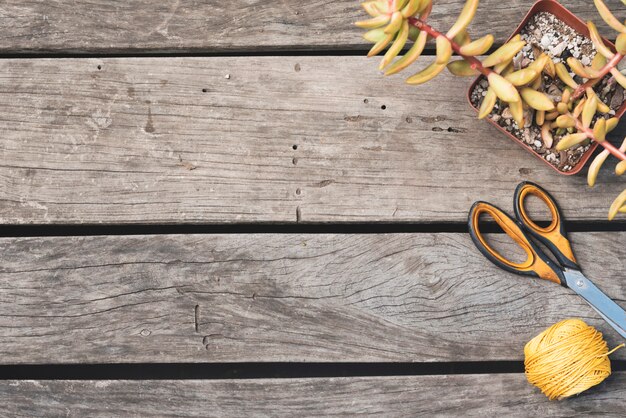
x=567, y=359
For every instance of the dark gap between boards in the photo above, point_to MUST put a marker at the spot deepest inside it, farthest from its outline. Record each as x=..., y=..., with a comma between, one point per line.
x=143, y=53
x=64, y=230
x=172, y=371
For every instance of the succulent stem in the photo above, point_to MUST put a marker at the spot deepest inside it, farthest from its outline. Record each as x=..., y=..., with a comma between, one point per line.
x=434, y=33
x=612, y=63
x=606, y=144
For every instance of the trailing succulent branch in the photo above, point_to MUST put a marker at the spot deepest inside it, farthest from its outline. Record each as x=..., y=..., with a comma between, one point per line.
x=579, y=116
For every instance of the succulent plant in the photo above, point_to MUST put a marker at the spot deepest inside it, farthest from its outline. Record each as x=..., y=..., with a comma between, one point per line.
x=579, y=115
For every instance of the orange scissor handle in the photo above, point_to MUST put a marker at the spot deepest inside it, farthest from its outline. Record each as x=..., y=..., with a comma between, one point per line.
x=554, y=235
x=537, y=263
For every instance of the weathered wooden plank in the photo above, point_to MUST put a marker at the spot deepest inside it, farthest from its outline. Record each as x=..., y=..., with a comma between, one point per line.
x=266, y=297
x=206, y=25
x=449, y=395
x=138, y=141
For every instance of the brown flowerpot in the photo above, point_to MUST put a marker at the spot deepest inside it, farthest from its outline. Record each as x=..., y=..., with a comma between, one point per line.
x=555, y=8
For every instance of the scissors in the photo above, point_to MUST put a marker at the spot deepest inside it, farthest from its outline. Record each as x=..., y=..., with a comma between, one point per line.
x=566, y=272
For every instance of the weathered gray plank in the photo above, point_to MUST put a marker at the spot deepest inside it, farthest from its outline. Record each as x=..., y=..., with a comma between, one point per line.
x=452, y=395
x=138, y=141
x=246, y=298
x=208, y=25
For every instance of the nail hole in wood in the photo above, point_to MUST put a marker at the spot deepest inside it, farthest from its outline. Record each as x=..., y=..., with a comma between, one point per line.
x=204, y=90
x=295, y=147
x=383, y=107
x=99, y=67
x=298, y=192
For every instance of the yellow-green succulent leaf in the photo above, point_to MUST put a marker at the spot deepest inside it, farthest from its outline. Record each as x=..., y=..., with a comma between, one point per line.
x=371, y=8
x=602, y=107
x=597, y=41
x=564, y=75
x=412, y=8
x=373, y=23
x=540, y=117
x=380, y=45
x=608, y=17
x=619, y=77
x=618, y=203
x=503, y=88
x=536, y=99
x=413, y=33
x=395, y=23
x=489, y=101
x=580, y=70
x=537, y=83
x=444, y=50
x=521, y=77
x=539, y=64
x=595, y=166
x=410, y=57
x=462, y=38
x=611, y=124
x=579, y=107
x=464, y=19
x=383, y=6
x=425, y=6
x=565, y=121
x=620, y=168
x=478, y=47
x=562, y=108
x=620, y=43
x=426, y=74
x=598, y=62
x=397, y=5
x=517, y=111
x=462, y=68
x=571, y=140
x=599, y=130
x=549, y=68
x=546, y=135
x=589, y=110
x=396, y=47
x=375, y=35
x=505, y=53
x=552, y=115
x=504, y=68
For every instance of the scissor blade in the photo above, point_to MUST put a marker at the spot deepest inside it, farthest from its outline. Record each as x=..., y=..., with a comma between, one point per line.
x=609, y=310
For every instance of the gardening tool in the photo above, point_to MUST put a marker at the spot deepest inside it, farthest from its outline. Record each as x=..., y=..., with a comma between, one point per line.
x=566, y=271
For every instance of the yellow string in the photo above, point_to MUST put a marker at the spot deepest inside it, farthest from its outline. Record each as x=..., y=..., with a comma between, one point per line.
x=567, y=359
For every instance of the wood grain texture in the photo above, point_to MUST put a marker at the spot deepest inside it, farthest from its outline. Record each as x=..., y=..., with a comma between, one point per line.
x=265, y=297
x=139, y=141
x=453, y=395
x=140, y=26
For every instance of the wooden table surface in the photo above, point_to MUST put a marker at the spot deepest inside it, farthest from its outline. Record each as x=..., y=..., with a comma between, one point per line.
x=222, y=209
